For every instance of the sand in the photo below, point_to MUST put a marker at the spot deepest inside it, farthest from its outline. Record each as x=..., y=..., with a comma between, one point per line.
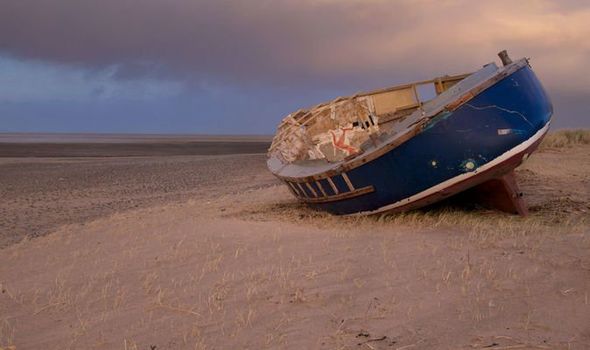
x=40, y=194
x=210, y=252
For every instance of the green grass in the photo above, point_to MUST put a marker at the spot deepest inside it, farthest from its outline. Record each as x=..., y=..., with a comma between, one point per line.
x=566, y=138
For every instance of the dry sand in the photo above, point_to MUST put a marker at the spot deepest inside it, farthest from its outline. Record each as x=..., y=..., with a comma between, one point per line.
x=211, y=253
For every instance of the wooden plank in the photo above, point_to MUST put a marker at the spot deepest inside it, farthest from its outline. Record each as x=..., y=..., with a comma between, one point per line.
x=347, y=180
x=303, y=193
x=298, y=190
x=319, y=184
x=334, y=188
x=391, y=101
x=292, y=189
x=415, y=90
x=459, y=101
x=404, y=86
x=398, y=114
x=438, y=86
x=341, y=196
x=315, y=194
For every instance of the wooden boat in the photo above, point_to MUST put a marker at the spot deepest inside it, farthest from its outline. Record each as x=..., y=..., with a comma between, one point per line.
x=408, y=146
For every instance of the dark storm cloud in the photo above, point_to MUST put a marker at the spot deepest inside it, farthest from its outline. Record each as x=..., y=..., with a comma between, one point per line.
x=240, y=40
x=325, y=42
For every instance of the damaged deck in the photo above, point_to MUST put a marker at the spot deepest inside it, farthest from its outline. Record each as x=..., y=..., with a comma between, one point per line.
x=349, y=126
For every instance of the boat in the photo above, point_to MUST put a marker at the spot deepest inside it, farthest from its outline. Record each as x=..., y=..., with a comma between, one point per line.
x=409, y=146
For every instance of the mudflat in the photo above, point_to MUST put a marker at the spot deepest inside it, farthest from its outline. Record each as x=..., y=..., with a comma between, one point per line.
x=97, y=145
x=211, y=252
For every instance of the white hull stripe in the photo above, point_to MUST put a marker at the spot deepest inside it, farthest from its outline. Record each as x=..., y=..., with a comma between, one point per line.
x=459, y=178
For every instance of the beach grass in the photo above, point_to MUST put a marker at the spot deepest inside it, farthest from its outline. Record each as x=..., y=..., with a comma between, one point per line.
x=566, y=138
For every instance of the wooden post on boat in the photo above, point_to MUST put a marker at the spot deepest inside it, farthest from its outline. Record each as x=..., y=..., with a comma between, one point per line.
x=504, y=57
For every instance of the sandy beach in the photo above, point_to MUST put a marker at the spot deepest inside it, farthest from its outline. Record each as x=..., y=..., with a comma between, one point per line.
x=211, y=252
x=41, y=194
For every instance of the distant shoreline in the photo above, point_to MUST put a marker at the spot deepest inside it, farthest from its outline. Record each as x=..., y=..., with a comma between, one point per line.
x=48, y=145
x=126, y=149
x=86, y=138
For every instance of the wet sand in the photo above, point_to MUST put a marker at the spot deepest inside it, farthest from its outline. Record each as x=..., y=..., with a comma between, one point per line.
x=130, y=149
x=97, y=145
x=39, y=195
x=53, y=179
x=209, y=252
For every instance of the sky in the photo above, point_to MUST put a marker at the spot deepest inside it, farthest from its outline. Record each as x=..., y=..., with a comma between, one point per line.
x=238, y=67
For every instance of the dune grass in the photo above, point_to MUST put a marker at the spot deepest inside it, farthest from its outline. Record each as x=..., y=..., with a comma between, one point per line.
x=566, y=138
x=482, y=225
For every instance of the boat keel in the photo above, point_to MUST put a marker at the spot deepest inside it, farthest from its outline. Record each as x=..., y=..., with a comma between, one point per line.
x=502, y=194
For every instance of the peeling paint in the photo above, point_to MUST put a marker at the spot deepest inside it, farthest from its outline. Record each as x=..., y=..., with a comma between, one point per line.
x=502, y=132
x=469, y=164
x=438, y=118
x=484, y=159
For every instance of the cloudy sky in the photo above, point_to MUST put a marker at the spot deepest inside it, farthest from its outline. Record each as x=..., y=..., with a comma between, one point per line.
x=237, y=67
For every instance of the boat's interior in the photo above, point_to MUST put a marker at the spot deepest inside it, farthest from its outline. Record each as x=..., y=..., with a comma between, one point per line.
x=347, y=126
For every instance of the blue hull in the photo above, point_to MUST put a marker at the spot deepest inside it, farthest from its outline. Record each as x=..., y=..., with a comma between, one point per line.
x=453, y=143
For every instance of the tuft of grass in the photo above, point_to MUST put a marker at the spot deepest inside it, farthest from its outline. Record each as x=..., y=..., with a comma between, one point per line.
x=566, y=138
x=7, y=330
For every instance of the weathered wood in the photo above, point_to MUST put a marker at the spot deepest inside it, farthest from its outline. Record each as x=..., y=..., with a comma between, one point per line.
x=304, y=117
x=504, y=57
x=397, y=115
x=341, y=196
x=334, y=188
x=348, y=182
x=460, y=101
x=319, y=184
x=292, y=189
x=313, y=192
x=303, y=193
